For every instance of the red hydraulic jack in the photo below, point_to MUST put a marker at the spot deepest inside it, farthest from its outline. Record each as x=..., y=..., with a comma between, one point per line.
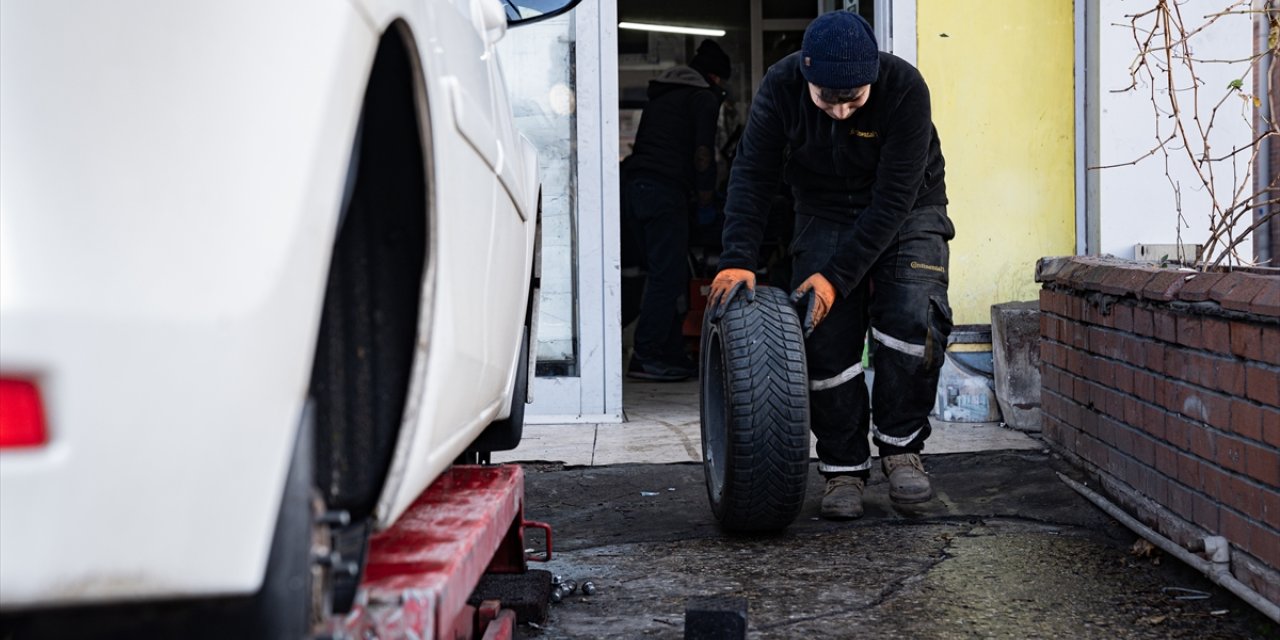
x=423, y=569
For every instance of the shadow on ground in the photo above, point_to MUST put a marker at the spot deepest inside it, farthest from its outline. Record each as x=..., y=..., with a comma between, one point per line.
x=1005, y=551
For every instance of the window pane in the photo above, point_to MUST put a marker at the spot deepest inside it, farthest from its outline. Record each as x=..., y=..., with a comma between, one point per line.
x=539, y=77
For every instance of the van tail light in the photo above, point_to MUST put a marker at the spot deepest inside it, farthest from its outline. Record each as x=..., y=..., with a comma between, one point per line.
x=21, y=415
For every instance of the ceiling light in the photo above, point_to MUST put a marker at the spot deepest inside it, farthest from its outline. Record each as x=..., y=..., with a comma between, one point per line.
x=666, y=28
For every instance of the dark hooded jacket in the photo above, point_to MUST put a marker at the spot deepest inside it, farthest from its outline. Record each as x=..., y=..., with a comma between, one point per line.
x=679, y=118
x=871, y=170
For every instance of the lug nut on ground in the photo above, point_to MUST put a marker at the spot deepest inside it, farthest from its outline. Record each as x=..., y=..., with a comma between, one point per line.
x=562, y=588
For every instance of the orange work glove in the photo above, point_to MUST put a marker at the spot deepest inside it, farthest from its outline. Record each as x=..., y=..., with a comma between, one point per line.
x=726, y=285
x=821, y=296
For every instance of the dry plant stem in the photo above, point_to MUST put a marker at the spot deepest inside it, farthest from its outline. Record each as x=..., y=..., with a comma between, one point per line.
x=1249, y=204
x=1253, y=227
x=1164, y=44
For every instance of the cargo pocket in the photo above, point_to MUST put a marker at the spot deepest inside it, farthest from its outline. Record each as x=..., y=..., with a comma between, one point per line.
x=922, y=251
x=923, y=256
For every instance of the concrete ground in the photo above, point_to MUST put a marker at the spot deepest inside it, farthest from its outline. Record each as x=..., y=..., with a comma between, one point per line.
x=662, y=426
x=1006, y=550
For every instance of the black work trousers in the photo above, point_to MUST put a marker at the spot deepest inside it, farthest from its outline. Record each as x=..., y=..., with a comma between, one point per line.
x=656, y=213
x=903, y=301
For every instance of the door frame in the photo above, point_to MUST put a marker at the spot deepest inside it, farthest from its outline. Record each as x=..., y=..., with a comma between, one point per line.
x=595, y=394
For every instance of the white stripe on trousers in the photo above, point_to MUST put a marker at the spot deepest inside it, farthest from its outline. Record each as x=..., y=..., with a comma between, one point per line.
x=897, y=442
x=916, y=350
x=831, y=468
x=839, y=379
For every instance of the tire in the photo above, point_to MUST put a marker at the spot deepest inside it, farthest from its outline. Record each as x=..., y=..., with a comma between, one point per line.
x=754, y=402
x=368, y=334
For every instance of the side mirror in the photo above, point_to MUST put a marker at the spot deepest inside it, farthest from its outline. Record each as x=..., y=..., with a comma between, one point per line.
x=529, y=11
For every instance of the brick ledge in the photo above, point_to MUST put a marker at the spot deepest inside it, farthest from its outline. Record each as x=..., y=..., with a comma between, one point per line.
x=1233, y=291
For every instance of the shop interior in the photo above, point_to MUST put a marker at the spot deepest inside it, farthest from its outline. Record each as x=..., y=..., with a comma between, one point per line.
x=754, y=34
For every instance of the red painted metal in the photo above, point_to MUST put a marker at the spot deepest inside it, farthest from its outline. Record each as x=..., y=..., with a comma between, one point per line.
x=487, y=612
x=510, y=556
x=21, y=416
x=421, y=571
x=546, y=528
x=503, y=628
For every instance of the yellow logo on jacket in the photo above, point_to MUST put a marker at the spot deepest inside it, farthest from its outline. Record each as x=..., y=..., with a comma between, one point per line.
x=863, y=134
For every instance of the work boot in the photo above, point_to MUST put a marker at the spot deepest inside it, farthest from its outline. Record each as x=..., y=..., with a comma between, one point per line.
x=908, y=483
x=843, y=498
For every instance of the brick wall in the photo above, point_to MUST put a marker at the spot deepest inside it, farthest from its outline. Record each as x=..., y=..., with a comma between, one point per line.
x=1167, y=384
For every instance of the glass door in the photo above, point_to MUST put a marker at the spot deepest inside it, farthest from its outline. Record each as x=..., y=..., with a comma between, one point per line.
x=564, y=78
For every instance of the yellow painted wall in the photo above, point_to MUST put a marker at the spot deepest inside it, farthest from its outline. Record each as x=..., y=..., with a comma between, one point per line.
x=1002, y=87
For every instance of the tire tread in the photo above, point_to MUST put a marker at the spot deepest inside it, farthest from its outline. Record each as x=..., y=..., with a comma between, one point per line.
x=766, y=412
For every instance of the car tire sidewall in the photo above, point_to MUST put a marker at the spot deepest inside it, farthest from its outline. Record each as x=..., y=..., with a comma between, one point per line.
x=754, y=410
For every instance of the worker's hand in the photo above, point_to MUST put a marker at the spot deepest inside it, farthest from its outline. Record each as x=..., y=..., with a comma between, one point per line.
x=821, y=296
x=726, y=285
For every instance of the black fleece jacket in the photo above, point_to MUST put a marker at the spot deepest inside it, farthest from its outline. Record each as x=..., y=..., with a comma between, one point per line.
x=677, y=133
x=871, y=170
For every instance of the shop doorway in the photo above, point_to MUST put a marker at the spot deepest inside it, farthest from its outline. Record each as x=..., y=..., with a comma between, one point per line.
x=655, y=36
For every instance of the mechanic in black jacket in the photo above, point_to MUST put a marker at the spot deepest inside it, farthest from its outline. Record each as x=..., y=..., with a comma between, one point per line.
x=850, y=130
x=672, y=163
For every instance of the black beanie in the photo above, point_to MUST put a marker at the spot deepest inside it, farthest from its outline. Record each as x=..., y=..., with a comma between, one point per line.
x=839, y=51
x=711, y=59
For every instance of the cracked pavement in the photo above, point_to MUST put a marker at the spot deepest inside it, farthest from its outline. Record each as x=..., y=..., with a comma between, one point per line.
x=1006, y=550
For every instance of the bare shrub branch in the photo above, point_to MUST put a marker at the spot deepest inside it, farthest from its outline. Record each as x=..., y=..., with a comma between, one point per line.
x=1167, y=67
